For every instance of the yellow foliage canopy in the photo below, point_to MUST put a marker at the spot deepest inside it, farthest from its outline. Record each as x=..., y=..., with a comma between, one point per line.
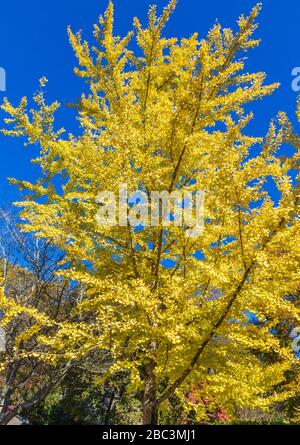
x=170, y=116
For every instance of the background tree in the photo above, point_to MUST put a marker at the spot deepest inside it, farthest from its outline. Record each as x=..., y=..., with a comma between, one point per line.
x=81, y=400
x=29, y=280
x=170, y=116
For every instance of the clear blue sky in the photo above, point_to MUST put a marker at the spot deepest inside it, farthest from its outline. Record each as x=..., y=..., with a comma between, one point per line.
x=33, y=36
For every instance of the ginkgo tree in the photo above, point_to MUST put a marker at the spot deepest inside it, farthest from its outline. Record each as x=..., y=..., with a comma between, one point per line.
x=169, y=115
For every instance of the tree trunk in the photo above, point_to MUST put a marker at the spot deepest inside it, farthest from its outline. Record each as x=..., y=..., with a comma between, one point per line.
x=149, y=396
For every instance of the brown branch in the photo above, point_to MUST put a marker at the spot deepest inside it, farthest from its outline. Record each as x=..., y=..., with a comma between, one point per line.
x=219, y=322
x=40, y=395
x=207, y=339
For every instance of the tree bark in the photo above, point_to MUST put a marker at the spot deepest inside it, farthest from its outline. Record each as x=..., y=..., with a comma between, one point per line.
x=149, y=403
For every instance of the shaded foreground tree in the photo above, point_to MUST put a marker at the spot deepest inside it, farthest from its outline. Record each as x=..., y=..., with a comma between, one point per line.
x=169, y=117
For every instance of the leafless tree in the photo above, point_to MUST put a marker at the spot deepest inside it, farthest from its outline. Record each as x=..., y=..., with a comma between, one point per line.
x=29, y=268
